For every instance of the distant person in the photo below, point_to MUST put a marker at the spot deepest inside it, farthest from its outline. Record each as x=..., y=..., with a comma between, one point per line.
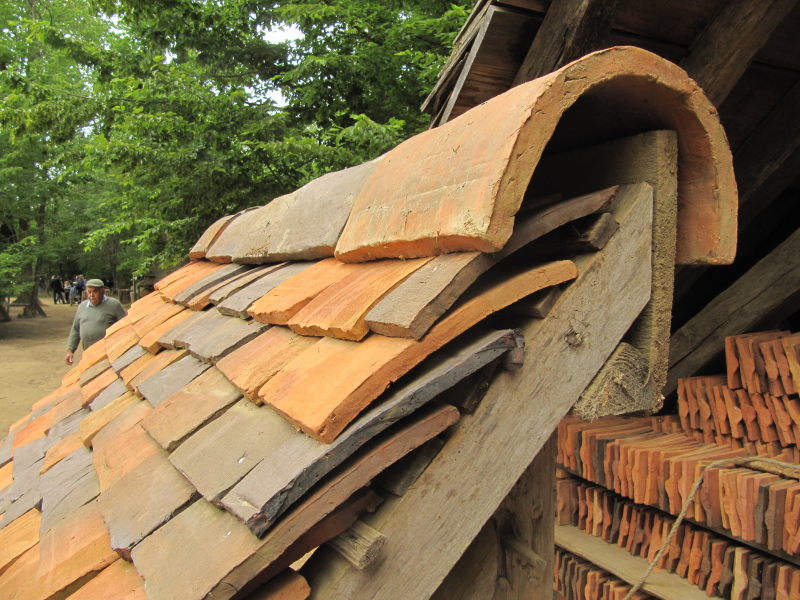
x=57, y=287
x=78, y=286
x=68, y=290
x=92, y=318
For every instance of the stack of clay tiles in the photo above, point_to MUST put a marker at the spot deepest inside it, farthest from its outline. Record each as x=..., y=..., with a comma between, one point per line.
x=625, y=479
x=242, y=412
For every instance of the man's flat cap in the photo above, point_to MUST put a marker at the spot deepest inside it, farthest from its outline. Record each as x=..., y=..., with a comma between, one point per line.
x=95, y=283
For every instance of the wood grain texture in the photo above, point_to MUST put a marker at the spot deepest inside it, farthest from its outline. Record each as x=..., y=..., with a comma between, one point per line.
x=334, y=492
x=118, y=581
x=414, y=305
x=293, y=461
x=252, y=365
x=238, y=283
x=169, y=380
x=214, y=279
x=358, y=373
x=515, y=419
x=189, y=408
x=236, y=304
x=570, y=29
x=142, y=500
x=18, y=537
x=339, y=310
x=209, y=236
x=282, y=302
x=722, y=53
x=72, y=551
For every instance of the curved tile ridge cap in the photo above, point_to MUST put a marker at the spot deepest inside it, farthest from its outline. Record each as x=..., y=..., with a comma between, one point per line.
x=458, y=187
x=303, y=225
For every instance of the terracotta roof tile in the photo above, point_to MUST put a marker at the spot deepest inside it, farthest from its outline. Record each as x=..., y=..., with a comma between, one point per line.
x=359, y=372
x=190, y=408
x=18, y=537
x=166, y=382
x=118, y=581
x=238, y=302
x=128, y=518
x=281, y=303
x=339, y=310
x=252, y=365
x=149, y=341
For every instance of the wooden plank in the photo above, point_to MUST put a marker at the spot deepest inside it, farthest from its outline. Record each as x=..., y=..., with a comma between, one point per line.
x=131, y=355
x=93, y=371
x=765, y=292
x=236, y=304
x=189, y=269
x=339, y=310
x=334, y=491
x=114, y=457
x=518, y=415
x=209, y=236
x=157, y=316
x=413, y=306
x=570, y=29
x=159, y=363
x=108, y=395
x=293, y=461
x=358, y=373
x=189, y=408
x=722, y=53
x=98, y=419
x=150, y=340
x=223, y=339
x=128, y=518
x=619, y=562
x=360, y=545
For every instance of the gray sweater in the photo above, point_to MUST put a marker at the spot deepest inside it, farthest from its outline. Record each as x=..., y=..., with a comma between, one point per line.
x=91, y=321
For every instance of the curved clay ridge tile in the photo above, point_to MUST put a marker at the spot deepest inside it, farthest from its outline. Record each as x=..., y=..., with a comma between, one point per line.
x=458, y=187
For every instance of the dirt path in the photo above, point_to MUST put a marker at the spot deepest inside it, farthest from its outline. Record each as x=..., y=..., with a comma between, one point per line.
x=31, y=359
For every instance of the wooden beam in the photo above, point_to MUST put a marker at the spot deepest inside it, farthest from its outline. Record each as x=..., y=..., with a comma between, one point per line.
x=721, y=54
x=429, y=528
x=571, y=28
x=629, y=568
x=766, y=292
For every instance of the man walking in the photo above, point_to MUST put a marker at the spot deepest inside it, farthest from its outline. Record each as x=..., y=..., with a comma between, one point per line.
x=92, y=318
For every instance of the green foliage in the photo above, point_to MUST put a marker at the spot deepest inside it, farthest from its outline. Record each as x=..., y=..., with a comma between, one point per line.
x=128, y=126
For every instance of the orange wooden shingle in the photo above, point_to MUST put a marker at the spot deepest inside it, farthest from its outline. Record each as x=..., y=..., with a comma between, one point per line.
x=282, y=302
x=94, y=422
x=149, y=341
x=190, y=268
x=136, y=367
x=160, y=361
x=157, y=316
x=252, y=365
x=60, y=450
x=339, y=310
x=19, y=536
x=328, y=385
x=203, y=269
x=115, y=456
x=92, y=389
x=119, y=342
x=74, y=548
x=118, y=581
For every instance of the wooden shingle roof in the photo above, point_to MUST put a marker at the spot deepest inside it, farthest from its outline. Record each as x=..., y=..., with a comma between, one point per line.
x=235, y=418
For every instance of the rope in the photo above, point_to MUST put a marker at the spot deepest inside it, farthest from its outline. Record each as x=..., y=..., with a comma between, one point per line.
x=725, y=462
